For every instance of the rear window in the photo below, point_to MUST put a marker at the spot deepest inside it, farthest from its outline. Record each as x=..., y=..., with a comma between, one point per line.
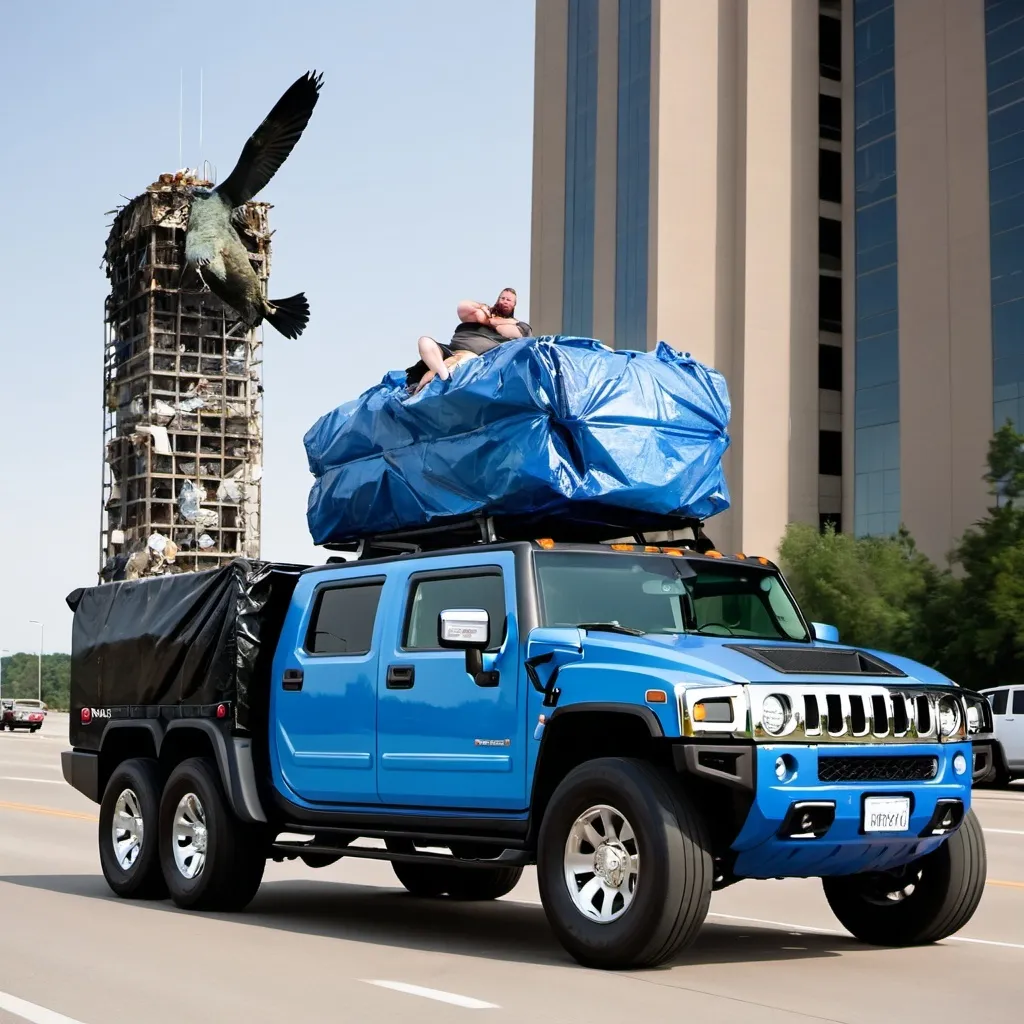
x=1018, y=702
x=343, y=619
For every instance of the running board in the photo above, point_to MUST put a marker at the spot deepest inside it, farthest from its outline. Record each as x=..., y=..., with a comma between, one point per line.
x=289, y=850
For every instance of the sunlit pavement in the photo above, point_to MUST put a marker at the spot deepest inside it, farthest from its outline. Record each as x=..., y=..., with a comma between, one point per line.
x=348, y=944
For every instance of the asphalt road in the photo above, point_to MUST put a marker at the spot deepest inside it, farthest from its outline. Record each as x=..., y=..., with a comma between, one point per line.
x=346, y=943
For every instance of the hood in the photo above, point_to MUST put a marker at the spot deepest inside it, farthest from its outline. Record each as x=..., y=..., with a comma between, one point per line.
x=731, y=660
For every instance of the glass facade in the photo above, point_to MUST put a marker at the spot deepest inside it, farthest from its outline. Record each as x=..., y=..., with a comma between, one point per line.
x=580, y=170
x=633, y=163
x=876, y=399
x=1004, y=55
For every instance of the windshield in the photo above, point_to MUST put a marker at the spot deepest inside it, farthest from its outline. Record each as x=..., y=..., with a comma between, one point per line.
x=660, y=594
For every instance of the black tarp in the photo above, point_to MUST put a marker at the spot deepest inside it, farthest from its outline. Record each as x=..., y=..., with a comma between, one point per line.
x=186, y=639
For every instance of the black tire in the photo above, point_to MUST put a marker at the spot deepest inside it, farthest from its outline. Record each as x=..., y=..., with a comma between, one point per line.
x=673, y=889
x=235, y=854
x=429, y=881
x=143, y=879
x=948, y=886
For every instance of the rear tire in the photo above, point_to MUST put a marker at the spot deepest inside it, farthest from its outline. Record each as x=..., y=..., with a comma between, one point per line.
x=630, y=820
x=128, y=831
x=927, y=901
x=210, y=860
x=464, y=884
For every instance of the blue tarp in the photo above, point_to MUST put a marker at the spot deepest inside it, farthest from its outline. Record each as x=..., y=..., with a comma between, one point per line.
x=539, y=427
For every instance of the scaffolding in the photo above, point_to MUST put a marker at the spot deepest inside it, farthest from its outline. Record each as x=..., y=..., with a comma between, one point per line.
x=183, y=409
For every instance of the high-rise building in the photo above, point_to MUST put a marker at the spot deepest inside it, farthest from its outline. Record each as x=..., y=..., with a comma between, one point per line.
x=822, y=198
x=182, y=428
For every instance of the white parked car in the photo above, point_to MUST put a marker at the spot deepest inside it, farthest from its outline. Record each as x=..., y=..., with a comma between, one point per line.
x=1008, y=731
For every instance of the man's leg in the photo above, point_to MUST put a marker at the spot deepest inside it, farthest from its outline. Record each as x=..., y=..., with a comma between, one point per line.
x=431, y=354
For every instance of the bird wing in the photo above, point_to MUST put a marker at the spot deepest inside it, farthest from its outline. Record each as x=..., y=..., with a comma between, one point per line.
x=268, y=147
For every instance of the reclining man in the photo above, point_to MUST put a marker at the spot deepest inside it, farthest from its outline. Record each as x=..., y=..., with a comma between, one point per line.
x=481, y=328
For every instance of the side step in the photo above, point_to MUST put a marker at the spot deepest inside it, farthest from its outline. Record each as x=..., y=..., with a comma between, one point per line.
x=287, y=849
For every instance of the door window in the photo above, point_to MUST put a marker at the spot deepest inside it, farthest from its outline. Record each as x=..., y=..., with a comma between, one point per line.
x=343, y=619
x=998, y=699
x=1018, y=702
x=430, y=597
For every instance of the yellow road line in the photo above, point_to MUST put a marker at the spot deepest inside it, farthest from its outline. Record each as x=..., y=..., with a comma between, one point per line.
x=51, y=811
x=1008, y=885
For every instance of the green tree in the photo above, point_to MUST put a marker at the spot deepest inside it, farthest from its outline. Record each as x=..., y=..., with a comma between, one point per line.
x=983, y=629
x=19, y=678
x=874, y=589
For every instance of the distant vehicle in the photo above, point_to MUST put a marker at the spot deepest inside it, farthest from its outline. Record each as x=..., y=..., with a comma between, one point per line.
x=1008, y=729
x=23, y=714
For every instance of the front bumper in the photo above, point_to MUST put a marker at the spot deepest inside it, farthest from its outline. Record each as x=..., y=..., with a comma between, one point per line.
x=844, y=847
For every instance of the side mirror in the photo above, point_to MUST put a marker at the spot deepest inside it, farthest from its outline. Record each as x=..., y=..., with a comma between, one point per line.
x=826, y=633
x=469, y=630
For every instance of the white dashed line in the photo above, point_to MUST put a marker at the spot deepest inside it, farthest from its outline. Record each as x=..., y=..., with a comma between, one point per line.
x=1004, y=831
x=436, y=994
x=32, y=1013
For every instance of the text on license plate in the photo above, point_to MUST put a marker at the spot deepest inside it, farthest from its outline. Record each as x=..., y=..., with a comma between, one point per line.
x=886, y=813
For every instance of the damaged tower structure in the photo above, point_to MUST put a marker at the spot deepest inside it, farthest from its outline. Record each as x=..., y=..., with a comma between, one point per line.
x=183, y=418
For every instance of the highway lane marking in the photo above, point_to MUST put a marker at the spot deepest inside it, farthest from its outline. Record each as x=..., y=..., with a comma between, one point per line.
x=31, y=1012
x=436, y=994
x=25, y=778
x=6, y=805
x=1004, y=831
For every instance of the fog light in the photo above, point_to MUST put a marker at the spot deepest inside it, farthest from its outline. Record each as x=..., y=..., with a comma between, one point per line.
x=785, y=768
x=959, y=764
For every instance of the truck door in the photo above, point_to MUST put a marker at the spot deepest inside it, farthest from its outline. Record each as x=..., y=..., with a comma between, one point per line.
x=1011, y=731
x=442, y=740
x=324, y=700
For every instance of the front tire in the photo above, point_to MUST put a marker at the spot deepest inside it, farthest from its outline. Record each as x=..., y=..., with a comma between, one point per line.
x=129, y=830
x=210, y=860
x=924, y=902
x=624, y=865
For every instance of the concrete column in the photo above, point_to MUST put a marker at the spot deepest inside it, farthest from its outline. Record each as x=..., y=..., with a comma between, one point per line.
x=606, y=168
x=548, y=215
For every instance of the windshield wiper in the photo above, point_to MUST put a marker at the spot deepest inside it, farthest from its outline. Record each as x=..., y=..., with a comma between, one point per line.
x=610, y=627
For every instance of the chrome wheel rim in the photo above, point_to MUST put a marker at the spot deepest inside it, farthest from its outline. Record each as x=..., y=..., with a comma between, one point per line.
x=127, y=829
x=189, y=836
x=602, y=864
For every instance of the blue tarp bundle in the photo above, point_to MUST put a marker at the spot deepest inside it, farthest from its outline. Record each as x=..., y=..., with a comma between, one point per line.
x=539, y=427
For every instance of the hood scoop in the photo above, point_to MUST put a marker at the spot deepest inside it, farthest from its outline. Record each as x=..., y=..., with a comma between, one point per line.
x=817, y=661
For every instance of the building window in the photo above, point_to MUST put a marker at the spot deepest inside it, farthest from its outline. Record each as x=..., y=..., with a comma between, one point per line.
x=830, y=453
x=830, y=117
x=580, y=169
x=830, y=49
x=830, y=304
x=876, y=386
x=830, y=368
x=830, y=244
x=1004, y=37
x=835, y=519
x=633, y=157
x=830, y=176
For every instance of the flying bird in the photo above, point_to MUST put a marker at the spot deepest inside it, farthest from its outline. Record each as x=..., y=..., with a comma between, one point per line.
x=212, y=244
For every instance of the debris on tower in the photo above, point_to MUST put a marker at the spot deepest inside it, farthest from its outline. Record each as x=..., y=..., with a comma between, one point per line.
x=182, y=396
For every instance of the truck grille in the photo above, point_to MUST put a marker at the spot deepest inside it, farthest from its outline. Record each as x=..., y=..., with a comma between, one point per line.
x=877, y=769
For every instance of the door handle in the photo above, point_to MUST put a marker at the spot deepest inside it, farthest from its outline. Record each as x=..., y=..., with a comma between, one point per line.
x=400, y=677
x=292, y=679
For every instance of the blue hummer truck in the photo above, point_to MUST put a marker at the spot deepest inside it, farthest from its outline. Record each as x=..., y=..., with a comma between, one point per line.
x=646, y=723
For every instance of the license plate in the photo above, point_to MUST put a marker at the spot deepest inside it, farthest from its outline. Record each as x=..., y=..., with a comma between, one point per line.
x=886, y=813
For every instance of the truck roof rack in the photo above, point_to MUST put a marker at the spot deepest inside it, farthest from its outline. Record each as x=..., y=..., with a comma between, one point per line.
x=473, y=530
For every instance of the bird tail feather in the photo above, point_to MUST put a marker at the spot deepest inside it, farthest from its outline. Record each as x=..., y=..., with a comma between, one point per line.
x=289, y=316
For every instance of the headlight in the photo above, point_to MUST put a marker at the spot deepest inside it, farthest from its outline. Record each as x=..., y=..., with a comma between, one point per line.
x=774, y=714
x=949, y=717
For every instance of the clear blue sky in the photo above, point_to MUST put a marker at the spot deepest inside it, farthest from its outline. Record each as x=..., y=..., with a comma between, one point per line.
x=409, y=191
